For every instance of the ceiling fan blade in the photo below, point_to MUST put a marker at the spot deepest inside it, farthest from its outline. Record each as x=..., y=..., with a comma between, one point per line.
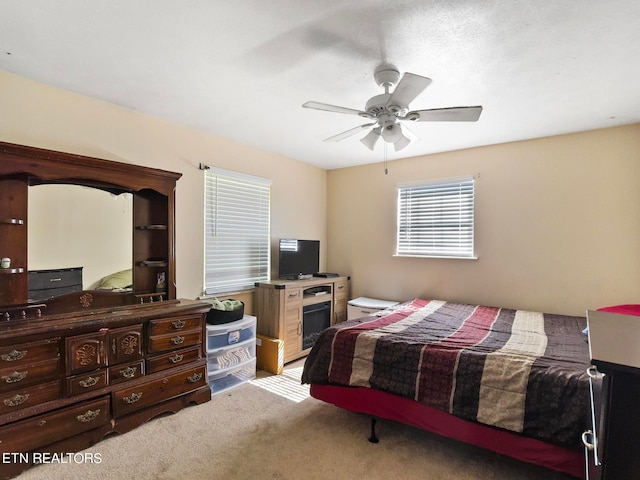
x=408, y=88
x=371, y=138
x=348, y=133
x=333, y=108
x=451, y=114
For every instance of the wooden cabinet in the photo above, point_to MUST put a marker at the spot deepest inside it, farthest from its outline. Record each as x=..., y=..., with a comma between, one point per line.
x=296, y=310
x=69, y=373
x=610, y=447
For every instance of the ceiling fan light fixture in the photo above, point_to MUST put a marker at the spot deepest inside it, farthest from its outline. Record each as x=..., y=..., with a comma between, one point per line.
x=371, y=139
x=392, y=133
x=401, y=143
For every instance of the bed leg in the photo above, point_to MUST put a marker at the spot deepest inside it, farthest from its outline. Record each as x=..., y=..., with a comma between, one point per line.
x=373, y=438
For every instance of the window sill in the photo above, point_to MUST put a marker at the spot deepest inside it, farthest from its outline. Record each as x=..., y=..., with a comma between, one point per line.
x=446, y=257
x=209, y=296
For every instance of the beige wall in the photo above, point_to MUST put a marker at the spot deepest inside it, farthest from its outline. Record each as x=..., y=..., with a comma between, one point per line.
x=557, y=222
x=42, y=116
x=557, y=225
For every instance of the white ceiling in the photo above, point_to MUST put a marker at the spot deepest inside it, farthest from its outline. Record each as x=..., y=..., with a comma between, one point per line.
x=243, y=68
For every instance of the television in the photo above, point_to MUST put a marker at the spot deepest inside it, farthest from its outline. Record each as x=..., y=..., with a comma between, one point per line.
x=298, y=258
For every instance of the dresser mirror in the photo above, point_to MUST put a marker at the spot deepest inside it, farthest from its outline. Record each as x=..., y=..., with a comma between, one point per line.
x=75, y=226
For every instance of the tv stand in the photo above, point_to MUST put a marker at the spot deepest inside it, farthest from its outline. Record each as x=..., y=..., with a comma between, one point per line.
x=291, y=310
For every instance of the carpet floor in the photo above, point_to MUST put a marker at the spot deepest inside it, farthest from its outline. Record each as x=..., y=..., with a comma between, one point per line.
x=269, y=428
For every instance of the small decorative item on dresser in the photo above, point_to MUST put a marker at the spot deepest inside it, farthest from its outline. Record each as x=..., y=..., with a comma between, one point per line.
x=225, y=311
x=5, y=262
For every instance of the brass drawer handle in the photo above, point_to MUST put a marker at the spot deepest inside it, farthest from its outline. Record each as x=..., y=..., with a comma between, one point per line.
x=128, y=372
x=133, y=398
x=89, y=382
x=88, y=416
x=293, y=294
x=16, y=400
x=13, y=356
x=15, y=377
x=178, y=324
x=177, y=358
x=194, y=378
x=177, y=340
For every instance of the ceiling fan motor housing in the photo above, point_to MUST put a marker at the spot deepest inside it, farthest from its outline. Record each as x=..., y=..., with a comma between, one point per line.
x=379, y=105
x=386, y=75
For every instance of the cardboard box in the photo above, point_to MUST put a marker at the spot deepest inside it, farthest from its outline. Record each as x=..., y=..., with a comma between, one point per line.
x=270, y=354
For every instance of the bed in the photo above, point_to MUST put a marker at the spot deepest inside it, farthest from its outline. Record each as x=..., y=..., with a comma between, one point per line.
x=511, y=381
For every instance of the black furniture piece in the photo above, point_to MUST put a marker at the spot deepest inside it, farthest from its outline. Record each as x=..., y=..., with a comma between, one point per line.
x=44, y=284
x=611, y=448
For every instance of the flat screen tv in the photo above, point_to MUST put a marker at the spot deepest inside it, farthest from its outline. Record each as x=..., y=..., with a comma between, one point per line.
x=298, y=258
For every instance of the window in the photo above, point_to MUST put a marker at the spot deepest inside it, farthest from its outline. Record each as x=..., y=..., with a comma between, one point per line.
x=236, y=231
x=435, y=219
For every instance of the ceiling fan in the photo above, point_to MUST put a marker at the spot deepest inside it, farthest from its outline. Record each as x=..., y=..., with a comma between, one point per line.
x=387, y=110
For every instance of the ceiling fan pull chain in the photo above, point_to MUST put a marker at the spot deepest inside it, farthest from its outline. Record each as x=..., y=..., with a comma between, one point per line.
x=386, y=170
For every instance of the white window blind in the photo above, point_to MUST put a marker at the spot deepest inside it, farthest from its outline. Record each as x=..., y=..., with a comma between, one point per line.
x=237, y=214
x=435, y=219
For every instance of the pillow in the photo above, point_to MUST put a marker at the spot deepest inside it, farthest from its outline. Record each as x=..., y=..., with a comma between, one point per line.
x=122, y=279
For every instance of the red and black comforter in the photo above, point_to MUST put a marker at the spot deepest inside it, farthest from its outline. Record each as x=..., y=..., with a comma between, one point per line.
x=518, y=370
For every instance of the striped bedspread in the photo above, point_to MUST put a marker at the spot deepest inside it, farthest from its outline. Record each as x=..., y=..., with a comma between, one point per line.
x=518, y=370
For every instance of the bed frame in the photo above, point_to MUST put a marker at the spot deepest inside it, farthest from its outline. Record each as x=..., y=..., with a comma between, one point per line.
x=384, y=405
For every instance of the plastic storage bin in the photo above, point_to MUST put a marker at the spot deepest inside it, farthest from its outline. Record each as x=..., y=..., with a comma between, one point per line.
x=220, y=336
x=223, y=380
x=231, y=354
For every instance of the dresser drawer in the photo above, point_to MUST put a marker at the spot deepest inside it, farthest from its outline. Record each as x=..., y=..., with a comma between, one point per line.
x=162, y=343
x=45, y=429
x=171, y=325
x=87, y=382
x=23, y=375
x=18, y=355
x=173, y=359
x=28, y=397
x=122, y=373
x=143, y=395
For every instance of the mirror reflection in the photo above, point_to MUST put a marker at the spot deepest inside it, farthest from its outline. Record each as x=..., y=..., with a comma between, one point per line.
x=71, y=226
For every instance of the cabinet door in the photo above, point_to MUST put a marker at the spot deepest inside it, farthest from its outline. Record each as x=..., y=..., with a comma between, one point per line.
x=340, y=298
x=86, y=352
x=292, y=329
x=125, y=344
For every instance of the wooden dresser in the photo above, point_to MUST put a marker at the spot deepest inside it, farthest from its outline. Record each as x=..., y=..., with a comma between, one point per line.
x=69, y=378
x=77, y=367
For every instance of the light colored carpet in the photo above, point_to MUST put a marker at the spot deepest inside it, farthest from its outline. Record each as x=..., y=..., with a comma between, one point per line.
x=269, y=429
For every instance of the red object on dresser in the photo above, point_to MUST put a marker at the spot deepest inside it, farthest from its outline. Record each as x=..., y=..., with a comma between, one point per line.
x=629, y=309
